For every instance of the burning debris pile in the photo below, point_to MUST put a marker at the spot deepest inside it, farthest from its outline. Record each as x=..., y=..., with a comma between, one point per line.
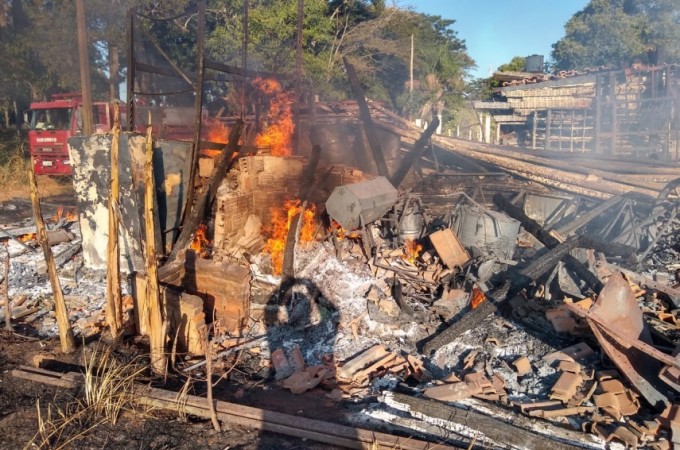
x=448, y=319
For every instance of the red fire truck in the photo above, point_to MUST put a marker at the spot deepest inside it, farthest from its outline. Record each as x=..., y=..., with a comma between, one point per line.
x=53, y=122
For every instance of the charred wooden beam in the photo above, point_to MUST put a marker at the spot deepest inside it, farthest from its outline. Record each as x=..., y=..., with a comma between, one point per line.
x=502, y=433
x=548, y=240
x=199, y=207
x=418, y=150
x=586, y=218
x=514, y=283
x=373, y=140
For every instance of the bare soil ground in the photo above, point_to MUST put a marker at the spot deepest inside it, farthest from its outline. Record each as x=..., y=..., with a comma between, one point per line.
x=134, y=430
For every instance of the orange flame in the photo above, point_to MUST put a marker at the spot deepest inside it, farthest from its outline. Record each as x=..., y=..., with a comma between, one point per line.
x=341, y=233
x=478, y=298
x=201, y=243
x=282, y=218
x=27, y=237
x=411, y=250
x=278, y=136
x=69, y=215
x=214, y=130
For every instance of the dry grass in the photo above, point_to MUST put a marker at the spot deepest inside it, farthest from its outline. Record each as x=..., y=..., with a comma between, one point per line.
x=14, y=167
x=108, y=390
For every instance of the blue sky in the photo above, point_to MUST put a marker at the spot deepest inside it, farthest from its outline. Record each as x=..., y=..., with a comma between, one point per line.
x=494, y=30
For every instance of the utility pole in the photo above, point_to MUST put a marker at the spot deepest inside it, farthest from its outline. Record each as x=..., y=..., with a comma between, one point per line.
x=298, y=70
x=410, y=85
x=244, y=57
x=85, y=85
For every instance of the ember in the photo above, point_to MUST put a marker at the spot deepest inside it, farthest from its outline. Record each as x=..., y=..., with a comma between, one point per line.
x=278, y=136
x=69, y=215
x=282, y=218
x=478, y=298
x=201, y=243
x=411, y=250
x=341, y=233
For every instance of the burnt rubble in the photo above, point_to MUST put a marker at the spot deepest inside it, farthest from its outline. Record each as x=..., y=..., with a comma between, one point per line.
x=455, y=307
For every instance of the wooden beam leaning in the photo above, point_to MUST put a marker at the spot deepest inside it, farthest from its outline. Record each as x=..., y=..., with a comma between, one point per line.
x=418, y=150
x=157, y=329
x=373, y=140
x=198, y=104
x=66, y=339
x=197, y=210
x=114, y=306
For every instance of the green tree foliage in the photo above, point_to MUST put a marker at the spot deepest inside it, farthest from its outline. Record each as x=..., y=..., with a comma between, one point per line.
x=38, y=46
x=616, y=32
x=482, y=88
x=515, y=65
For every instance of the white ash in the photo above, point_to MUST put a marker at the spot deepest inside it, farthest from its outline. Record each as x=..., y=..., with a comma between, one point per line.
x=390, y=415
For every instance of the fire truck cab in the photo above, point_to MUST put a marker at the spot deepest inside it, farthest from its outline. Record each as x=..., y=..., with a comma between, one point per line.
x=51, y=123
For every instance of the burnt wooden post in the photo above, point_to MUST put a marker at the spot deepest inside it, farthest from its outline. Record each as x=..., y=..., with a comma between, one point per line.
x=548, y=124
x=371, y=134
x=614, y=124
x=598, y=114
x=131, y=70
x=198, y=104
x=114, y=312
x=68, y=343
x=583, y=131
x=8, y=305
x=534, y=125
x=571, y=138
x=153, y=300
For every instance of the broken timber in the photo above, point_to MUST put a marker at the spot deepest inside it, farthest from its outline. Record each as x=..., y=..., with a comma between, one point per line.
x=512, y=286
x=502, y=433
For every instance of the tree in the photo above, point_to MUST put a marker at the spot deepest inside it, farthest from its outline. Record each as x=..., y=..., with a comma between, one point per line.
x=515, y=65
x=616, y=32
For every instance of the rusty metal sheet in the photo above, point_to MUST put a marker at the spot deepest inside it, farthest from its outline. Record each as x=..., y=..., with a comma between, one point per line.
x=616, y=308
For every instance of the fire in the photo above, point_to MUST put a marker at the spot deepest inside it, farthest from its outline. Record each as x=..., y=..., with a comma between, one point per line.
x=341, y=233
x=478, y=298
x=69, y=214
x=27, y=237
x=282, y=219
x=278, y=136
x=201, y=242
x=411, y=250
x=215, y=131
